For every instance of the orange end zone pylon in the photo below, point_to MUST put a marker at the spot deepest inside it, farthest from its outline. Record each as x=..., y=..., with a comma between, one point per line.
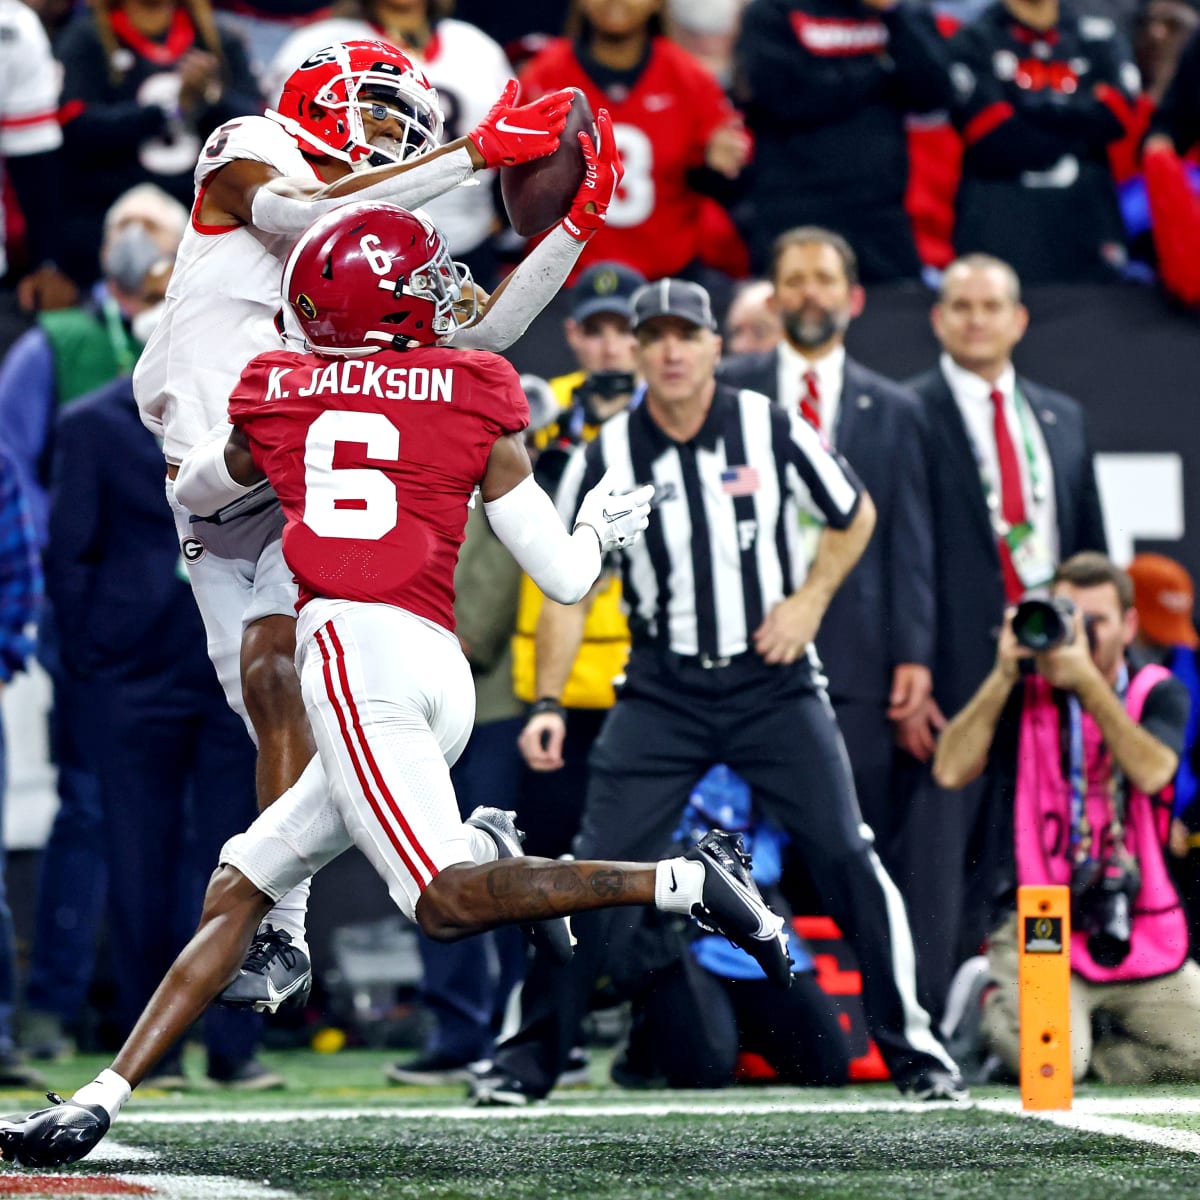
x=1044, y=981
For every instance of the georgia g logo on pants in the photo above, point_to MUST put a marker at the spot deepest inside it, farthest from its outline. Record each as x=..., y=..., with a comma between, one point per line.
x=192, y=549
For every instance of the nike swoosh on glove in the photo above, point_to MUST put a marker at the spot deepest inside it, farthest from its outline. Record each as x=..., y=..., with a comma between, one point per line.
x=602, y=175
x=513, y=133
x=616, y=519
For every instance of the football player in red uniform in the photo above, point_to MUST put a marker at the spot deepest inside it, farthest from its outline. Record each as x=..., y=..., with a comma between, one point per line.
x=375, y=439
x=356, y=121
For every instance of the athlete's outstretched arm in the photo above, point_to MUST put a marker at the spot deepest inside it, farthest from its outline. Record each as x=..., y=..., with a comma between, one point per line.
x=564, y=565
x=251, y=193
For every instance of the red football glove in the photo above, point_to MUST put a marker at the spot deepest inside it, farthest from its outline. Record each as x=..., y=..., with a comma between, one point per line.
x=520, y=133
x=600, y=180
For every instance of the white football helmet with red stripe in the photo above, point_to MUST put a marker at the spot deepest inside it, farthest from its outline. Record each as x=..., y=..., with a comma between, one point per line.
x=323, y=100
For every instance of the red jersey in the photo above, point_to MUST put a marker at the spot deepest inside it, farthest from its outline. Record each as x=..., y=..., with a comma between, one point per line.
x=662, y=127
x=374, y=461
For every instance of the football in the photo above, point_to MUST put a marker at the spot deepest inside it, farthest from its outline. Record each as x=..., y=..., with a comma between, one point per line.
x=538, y=194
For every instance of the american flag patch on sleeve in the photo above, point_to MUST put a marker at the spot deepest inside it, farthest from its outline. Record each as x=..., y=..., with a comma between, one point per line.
x=740, y=481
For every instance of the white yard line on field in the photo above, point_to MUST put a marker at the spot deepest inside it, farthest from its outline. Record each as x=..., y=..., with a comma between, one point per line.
x=207, y=1187
x=662, y=1105
x=1155, y=1135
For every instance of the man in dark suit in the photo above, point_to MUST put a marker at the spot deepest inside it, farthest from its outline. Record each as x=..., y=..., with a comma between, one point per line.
x=171, y=759
x=1013, y=494
x=876, y=641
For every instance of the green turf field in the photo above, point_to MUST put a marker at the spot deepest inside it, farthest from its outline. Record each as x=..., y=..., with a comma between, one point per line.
x=338, y=1132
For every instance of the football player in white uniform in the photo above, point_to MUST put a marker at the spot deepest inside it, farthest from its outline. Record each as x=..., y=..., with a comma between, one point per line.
x=355, y=122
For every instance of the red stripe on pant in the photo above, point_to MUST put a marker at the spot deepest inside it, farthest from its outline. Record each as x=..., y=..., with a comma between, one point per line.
x=357, y=765
x=376, y=773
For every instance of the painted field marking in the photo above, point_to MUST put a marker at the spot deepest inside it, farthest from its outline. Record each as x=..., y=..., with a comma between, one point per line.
x=666, y=1106
x=1154, y=1135
x=163, y=1187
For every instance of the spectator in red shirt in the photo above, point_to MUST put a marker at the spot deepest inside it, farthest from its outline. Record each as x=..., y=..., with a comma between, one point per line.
x=677, y=132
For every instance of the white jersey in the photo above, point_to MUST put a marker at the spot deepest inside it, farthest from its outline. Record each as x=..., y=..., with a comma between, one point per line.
x=469, y=71
x=30, y=81
x=222, y=300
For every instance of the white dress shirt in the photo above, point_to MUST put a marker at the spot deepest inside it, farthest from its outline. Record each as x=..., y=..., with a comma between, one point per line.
x=973, y=393
x=830, y=368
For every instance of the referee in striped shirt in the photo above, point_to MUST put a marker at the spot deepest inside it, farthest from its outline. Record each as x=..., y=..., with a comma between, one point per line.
x=725, y=599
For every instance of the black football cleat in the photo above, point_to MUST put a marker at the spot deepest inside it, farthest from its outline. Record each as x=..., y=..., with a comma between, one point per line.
x=552, y=935
x=275, y=973
x=53, y=1136
x=732, y=905
x=499, y=1089
x=935, y=1084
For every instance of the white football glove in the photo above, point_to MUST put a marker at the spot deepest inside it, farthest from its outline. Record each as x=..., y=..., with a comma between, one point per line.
x=616, y=519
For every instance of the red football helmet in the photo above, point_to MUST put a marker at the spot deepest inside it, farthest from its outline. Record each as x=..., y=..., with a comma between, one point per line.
x=322, y=102
x=373, y=275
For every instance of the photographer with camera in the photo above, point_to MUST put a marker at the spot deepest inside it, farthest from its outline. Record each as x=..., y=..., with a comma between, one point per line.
x=1083, y=743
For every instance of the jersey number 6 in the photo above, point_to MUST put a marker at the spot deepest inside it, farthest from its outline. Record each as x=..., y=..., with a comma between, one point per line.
x=350, y=502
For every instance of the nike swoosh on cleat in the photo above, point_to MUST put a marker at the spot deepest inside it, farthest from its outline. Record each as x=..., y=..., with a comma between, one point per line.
x=505, y=127
x=769, y=923
x=274, y=995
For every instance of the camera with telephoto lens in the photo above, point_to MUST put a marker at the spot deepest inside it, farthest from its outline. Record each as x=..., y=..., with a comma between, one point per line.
x=1102, y=896
x=1044, y=622
x=601, y=386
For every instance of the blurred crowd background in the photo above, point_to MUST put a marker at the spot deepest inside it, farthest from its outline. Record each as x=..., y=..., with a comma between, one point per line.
x=1061, y=138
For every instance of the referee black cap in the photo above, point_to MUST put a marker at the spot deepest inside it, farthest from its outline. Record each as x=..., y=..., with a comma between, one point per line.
x=673, y=298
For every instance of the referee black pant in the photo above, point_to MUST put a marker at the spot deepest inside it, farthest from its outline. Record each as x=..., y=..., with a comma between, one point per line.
x=774, y=726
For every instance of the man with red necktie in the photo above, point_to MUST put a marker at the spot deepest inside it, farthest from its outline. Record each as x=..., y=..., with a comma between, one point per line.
x=876, y=640
x=1013, y=493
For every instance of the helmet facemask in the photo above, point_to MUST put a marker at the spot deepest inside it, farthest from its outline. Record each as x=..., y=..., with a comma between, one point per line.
x=445, y=284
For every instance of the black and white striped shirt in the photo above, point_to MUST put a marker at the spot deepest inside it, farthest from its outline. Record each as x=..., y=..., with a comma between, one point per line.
x=725, y=542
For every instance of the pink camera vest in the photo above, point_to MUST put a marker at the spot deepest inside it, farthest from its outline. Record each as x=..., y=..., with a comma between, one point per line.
x=1042, y=827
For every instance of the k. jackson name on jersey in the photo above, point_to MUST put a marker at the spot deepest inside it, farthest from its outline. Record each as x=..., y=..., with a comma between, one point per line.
x=363, y=377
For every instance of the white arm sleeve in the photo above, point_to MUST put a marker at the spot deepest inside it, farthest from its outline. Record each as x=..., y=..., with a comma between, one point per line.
x=204, y=484
x=564, y=565
x=274, y=212
x=529, y=289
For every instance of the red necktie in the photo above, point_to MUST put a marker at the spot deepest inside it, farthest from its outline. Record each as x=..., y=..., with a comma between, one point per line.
x=810, y=400
x=1012, y=498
